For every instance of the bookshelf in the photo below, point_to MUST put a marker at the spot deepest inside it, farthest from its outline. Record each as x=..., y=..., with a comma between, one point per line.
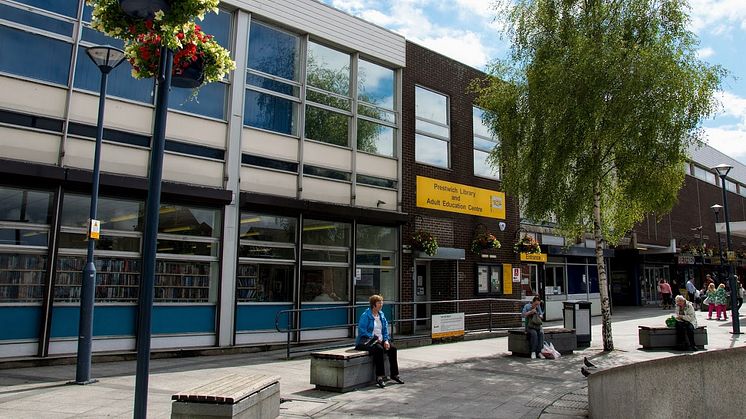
x=117, y=279
x=248, y=287
x=177, y=281
x=22, y=277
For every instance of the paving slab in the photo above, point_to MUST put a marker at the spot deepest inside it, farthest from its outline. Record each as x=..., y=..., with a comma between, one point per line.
x=470, y=379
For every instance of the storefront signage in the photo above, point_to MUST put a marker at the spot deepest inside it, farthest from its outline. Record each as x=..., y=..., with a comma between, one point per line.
x=533, y=257
x=686, y=260
x=507, y=273
x=516, y=274
x=731, y=255
x=447, y=325
x=455, y=197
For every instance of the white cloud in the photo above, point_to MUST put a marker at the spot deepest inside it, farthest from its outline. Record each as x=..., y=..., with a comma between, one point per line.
x=718, y=16
x=730, y=138
x=463, y=46
x=705, y=53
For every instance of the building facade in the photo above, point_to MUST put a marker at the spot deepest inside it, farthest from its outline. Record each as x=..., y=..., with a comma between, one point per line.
x=282, y=184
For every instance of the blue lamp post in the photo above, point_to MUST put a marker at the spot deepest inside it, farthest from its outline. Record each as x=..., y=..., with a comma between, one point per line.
x=106, y=59
x=722, y=171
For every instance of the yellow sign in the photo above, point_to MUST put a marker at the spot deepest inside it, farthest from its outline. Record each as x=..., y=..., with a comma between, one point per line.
x=455, y=197
x=95, y=229
x=731, y=255
x=507, y=275
x=447, y=325
x=533, y=257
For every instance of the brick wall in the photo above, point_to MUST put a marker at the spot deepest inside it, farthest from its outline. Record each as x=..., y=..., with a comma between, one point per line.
x=434, y=71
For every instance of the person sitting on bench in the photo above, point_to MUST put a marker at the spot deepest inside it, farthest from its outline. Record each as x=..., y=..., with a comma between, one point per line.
x=531, y=314
x=686, y=322
x=373, y=336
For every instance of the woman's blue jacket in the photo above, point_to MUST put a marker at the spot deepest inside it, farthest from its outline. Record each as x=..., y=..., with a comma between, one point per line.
x=365, y=327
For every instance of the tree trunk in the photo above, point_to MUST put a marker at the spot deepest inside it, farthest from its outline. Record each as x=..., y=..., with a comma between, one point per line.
x=602, y=280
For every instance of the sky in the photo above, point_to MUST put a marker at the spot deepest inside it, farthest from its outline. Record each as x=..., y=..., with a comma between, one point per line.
x=465, y=30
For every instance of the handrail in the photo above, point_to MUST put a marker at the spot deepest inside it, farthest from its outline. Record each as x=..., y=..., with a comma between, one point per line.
x=294, y=312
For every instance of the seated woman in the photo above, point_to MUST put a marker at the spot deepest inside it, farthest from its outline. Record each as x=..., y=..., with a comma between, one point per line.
x=373, y=336
x=686, y=321
x=531, y=314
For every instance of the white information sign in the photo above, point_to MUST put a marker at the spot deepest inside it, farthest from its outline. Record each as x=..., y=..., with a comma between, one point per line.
x=446, y=325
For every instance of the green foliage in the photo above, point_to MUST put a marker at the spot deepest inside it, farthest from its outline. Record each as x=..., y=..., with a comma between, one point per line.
x=425, y=242
x=595, y=112
x=599, y=95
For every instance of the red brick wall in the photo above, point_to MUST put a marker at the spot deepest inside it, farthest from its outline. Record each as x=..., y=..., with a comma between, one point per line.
x=434, y=71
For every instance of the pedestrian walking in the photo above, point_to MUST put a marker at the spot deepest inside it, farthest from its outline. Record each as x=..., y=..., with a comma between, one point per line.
x=720, y=299
x=710, y=299
x=691, y=290
x=665, y=289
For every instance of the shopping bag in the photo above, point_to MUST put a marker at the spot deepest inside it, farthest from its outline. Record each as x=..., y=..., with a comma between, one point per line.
x=549, y=352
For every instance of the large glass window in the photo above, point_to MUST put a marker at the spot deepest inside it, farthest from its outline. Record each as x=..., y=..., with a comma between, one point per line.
x=484, y=143
x=431, y=127
x=376, y=119
x=273, y=90
x=325, y=267
x=266, y=258
x=704, y=174
x=35, y=55
x=328, y=95
x=24, y=235
x=188, y=251
x=375, y=256
x=117, y=251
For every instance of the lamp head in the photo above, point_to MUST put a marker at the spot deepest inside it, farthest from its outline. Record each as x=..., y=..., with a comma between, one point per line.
x=722, y=169
x=716, y=208
x=105, y=57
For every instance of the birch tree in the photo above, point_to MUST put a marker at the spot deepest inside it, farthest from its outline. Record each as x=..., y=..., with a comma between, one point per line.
x=594, y=112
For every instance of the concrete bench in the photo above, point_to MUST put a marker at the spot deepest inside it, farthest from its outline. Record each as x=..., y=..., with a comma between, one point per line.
x=343, y=369
x=233, y=396
x=665, y=337
x=564, y=341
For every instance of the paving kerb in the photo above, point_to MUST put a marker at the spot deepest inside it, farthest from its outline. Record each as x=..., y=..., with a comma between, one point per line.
x=477, y=379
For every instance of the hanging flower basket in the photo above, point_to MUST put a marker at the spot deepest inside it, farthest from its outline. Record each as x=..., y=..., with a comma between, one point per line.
x=115, y=17
x=144, y=9
x=527, y=245
x=425, y=242
x=484, y=241
x=198, y=60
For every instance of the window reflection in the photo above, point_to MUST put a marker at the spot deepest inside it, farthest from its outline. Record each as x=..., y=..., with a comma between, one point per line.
x=25, y=206
x=375, y=138
x=328, y=69
x=375, y=84
x=34, y=56
x=327, y=126
x=270, y=228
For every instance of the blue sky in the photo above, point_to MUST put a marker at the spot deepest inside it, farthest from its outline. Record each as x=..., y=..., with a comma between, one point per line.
x=465, y=30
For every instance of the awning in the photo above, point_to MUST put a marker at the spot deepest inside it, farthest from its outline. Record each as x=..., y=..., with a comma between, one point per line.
x=444, y=253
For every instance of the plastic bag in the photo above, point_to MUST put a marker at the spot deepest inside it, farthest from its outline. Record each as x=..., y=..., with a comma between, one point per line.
x=671, y=322
x=549, y=352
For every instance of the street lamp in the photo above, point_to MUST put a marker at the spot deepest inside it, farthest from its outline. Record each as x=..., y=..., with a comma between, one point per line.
x=716, y=208
x=106, y=59
x=722, y=171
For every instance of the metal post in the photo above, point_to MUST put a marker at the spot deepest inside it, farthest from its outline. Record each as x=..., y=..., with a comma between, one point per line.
x=720, y=247
x=88, y=282
x=150, y=237
x=732, y=279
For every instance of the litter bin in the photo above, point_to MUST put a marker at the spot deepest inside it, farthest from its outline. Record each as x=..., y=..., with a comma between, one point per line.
x=577, y=315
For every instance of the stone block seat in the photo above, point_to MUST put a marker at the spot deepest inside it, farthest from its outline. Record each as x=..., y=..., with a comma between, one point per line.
x=665, y=337
x=232, y=396
x=343, y=369
x=564, y=341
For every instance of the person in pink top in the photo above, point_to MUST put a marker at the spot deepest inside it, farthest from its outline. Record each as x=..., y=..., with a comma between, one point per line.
x=665, y=289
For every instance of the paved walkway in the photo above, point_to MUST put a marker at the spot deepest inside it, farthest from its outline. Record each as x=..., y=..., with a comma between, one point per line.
x=474, y=379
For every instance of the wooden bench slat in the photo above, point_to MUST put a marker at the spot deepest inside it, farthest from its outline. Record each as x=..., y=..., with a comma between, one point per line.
x=228, y=389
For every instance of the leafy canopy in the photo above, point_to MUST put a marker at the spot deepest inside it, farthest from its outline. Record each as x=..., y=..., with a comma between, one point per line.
x=598, y=95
